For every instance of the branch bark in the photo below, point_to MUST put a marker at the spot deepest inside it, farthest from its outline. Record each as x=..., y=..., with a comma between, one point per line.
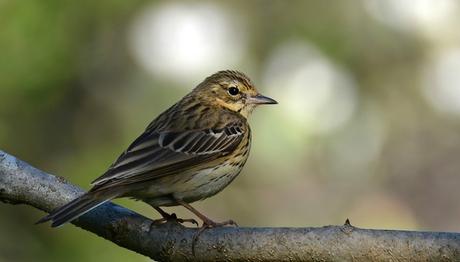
x=21, y=183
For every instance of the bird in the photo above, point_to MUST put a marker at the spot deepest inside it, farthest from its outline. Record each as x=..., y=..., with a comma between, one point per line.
x=190, y=152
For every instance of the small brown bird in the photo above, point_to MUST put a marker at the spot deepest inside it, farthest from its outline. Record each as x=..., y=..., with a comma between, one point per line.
x=190, y=152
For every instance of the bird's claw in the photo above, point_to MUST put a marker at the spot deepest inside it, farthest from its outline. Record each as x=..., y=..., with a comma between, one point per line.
x=174, y=218
x=189, y=220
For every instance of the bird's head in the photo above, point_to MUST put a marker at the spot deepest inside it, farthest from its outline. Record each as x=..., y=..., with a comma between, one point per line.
x=232, y=90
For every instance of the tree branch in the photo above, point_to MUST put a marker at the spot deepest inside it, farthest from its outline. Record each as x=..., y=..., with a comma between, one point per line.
x=21, y=183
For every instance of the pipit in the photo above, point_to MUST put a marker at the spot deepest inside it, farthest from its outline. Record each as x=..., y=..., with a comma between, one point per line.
x=190, y=152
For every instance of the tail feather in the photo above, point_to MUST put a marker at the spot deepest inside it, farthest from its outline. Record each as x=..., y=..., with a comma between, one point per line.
x=74, y=209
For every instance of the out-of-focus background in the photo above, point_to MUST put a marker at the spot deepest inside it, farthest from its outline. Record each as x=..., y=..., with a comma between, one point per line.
x=367, y=126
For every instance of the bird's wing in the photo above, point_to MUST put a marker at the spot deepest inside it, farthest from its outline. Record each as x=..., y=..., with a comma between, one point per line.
x=157, y=154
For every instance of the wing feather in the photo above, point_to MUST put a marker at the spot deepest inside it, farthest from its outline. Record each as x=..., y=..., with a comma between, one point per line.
x=156, y=154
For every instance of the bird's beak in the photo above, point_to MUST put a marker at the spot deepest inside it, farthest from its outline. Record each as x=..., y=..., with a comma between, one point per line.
x=260, y=100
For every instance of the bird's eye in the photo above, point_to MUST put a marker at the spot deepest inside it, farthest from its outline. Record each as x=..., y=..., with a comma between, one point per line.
x=233, y=91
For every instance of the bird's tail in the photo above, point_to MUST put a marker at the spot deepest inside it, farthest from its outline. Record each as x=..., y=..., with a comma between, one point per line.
x=74, y=209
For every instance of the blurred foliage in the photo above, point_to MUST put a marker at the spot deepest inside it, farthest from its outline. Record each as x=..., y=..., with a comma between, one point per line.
x=73, y=96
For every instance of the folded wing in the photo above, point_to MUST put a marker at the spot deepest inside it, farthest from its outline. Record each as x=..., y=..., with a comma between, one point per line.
x=157, y=154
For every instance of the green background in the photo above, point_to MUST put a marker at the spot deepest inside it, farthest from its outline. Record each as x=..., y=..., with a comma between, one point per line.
x=381, y=150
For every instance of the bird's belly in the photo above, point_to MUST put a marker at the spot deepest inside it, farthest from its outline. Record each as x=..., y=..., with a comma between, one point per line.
x=206, y=183
x=190, y=187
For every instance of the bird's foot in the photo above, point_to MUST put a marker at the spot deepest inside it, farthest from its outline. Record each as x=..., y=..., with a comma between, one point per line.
x=208, y=223
x=173, y=218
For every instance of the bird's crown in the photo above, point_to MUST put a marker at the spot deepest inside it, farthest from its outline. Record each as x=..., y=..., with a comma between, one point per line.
x=232, y=90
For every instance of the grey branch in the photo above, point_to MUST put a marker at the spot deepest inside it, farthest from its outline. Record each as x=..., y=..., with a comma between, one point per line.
x=21, y=183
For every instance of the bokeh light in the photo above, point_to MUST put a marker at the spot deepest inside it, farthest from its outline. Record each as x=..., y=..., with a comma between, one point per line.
x=441, y=81
x=187, y=39
x=425, y=16
x=318, y=95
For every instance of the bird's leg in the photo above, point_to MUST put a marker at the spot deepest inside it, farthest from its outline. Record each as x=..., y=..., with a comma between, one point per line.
x=207, y=223
x=163, y=213
x=171, y=217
